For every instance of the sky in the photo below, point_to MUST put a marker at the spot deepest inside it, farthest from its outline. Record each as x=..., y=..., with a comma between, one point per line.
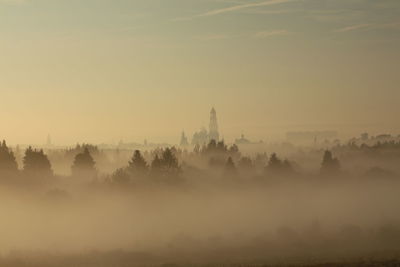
x=100, y=71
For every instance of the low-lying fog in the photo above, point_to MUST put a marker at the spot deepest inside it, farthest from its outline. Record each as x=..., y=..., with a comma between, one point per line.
x=213, y=205
x=258, y=221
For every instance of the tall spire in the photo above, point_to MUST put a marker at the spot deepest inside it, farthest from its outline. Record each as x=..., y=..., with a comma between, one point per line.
x=184, y=140
x=213, y=131
x=48, y=141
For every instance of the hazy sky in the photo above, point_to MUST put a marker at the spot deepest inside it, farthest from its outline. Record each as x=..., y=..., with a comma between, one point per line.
x=102, y=70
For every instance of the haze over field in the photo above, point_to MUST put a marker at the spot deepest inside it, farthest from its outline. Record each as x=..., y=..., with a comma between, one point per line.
x=100, y=70
x=203, y=205
x=183, y=133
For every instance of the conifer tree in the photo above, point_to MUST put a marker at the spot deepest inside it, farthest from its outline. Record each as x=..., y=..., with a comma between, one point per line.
x=8, y=163
x=138, y=164
x=36, y=163
x=84, y=164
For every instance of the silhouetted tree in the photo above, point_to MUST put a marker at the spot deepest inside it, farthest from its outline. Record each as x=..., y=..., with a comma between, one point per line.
x=216, y=162
x=137, y=165
x=167, y=165
x=212, y=146
x=169, y=161
x=245, y=163
x=184, y=141
x=330, y=165
x=234, y=149
x=36, y=163
x=218, y=153
x=196, y=149
x=230, y=165
x=274, y=163
x=278, y=166
x=221, y=147
x=261, y=160
x=121, y=177
x=84, y=164
x=156, y=165
x=230, y=170
x=71, y=153
x=8, y=163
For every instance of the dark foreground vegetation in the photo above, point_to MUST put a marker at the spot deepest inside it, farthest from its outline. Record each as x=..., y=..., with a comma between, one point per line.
x=123, y=259
x=170, y=165
x=210, y=205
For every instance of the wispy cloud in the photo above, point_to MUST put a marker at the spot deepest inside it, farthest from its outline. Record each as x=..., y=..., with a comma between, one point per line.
x=232, y=1
x=258, y=35
x=370, y=26
x=267, y=34
x=336, y=15
x=270, y=12
x=13, y=2
x=237, y=7
x=393, y=25
x=210, y=37
x=353, y=28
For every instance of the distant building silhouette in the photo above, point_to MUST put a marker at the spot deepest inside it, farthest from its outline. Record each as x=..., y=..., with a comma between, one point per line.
x=330, y=165
x=203, y=137
x=200, y=137
x=184, y=140
x=364, y=137
x=48, y=141
x=310, y=137
x=242, y=141
x=213, y=128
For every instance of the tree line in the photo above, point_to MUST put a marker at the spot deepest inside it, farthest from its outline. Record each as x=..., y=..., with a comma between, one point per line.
x=164, y=165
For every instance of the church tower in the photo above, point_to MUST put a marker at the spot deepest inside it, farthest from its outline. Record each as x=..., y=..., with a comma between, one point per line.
x=213, y=131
